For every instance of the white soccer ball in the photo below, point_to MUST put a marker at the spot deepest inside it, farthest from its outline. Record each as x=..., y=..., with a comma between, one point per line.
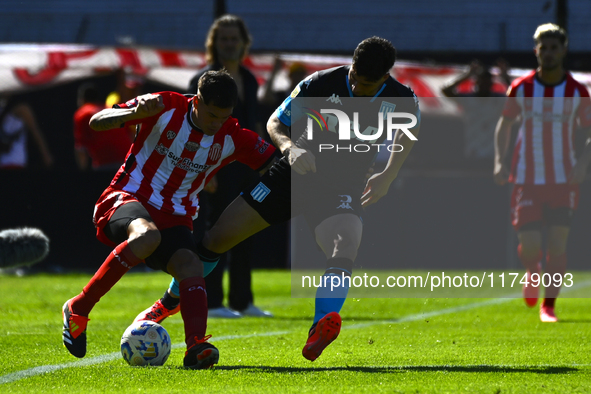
x=145, y=343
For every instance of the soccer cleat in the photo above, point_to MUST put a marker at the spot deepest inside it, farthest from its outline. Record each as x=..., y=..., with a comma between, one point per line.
x=253, y=311
x=223, y=312
x=530, y=292
x=74, y=331
x=547, y=314
x=157, y=313
x=201, y=355
x=326, y=330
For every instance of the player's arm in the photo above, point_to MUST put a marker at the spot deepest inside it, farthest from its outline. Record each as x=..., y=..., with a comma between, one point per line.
x=24, y=112
x=300, y=160
x=502, y=138
x=579, y=170
x=112, y=118
x=377, y=185
x=450, y=89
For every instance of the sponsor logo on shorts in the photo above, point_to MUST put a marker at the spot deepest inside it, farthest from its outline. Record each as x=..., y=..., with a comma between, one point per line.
x=260, y=192
x=345, y=202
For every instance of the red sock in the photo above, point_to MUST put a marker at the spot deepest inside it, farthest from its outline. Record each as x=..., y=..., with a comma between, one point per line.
x=193, y=308
x=119, y=261
x=555, y=265
x=530, y=263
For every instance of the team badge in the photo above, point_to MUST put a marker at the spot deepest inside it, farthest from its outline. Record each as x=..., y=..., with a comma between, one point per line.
x=191, y=146
x=387, y=107
x=260, y=192
x=170, y=134
x=215, y=152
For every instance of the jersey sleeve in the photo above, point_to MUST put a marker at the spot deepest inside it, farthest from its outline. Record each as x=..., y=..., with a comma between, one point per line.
x=289, y=111
x=584, y=110
x=252, y=150
x=166, y=100
x=512, y=108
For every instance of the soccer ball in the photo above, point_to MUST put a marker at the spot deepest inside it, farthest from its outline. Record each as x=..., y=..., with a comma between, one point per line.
x=145, y=343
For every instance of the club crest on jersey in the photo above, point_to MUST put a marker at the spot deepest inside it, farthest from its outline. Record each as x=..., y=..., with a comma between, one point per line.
x=387, y=107
x=215, y=152
x=260, y=192
x=191, y=146
x=170, y=134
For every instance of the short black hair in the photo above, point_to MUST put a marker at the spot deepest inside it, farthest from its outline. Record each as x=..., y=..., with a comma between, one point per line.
x=89, y=93
x=218, y=88
x=373, y=58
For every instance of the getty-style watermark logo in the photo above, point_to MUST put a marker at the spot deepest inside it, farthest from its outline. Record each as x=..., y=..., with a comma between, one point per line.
x=339, y=122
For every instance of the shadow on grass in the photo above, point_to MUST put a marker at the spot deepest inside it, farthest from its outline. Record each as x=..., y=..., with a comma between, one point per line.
x=574, y=321
x=550, y=370
x=347, y=319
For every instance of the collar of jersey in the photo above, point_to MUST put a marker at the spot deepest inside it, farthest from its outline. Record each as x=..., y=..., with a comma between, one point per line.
x=374, y=97
x=206, y=140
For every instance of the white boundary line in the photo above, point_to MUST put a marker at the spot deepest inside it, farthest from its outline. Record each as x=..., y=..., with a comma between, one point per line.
x=26, y=373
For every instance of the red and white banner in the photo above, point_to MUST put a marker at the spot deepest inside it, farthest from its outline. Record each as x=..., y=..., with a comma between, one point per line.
x=30, y=66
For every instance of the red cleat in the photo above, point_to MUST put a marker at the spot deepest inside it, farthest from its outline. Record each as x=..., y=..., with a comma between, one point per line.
x=326, y=330
x=547, y=314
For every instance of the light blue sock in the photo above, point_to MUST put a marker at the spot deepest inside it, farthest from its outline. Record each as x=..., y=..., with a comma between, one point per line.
x=330, y=298
x=207, y=268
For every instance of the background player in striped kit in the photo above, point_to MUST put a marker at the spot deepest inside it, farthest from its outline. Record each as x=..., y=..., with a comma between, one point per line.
x=544, y=170
x=147, y=212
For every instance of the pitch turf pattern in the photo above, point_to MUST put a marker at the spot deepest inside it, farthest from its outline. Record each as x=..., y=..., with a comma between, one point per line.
x=386, y=345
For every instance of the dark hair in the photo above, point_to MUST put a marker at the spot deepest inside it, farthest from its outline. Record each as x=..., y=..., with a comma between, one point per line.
x=211, y=53
x=88, y=93
x=218, y=88
x=373, y=58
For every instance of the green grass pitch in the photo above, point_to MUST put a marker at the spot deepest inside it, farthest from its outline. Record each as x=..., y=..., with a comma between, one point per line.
x=386, y=345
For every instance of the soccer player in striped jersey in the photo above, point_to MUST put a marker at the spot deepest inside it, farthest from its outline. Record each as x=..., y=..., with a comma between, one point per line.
x=147, y=211
x=329, y=190
x=544, y=171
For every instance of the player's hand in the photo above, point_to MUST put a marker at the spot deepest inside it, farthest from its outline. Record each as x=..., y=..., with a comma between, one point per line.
x=500, y=174
x=301, y=160
x=149, y=105
x=212, y=186
x=577, y=174
x=377, y=187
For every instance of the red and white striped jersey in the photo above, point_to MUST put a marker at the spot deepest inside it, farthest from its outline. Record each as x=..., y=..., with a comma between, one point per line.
x=544, y=153
x=171, y=160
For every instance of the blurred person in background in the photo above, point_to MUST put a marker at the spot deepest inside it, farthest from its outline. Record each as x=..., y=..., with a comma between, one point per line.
x=481, y=107
x=99, y=150
x=17, y=122
x=227, y=44
x=544, y=171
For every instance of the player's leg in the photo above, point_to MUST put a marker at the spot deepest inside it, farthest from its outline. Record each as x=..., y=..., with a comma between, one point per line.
x=238, y=222
x=529, y=251
x=555, y=265
x=136, y=236
x=526, y=217
x=561, y=205
x=187, y=269
x=339, y=237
